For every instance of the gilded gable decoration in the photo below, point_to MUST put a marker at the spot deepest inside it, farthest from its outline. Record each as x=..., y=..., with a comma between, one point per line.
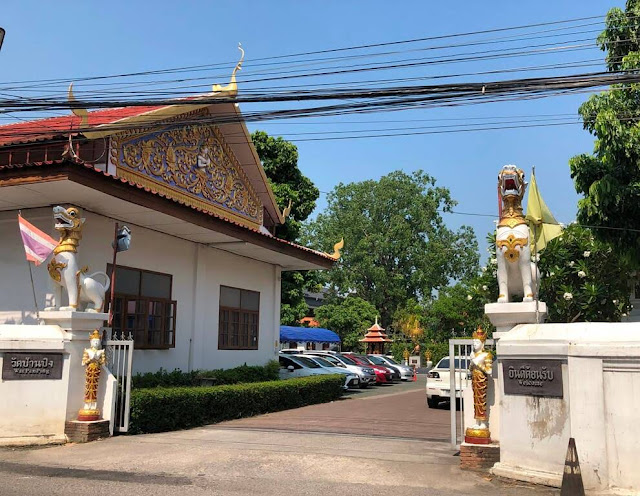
x=190, y=163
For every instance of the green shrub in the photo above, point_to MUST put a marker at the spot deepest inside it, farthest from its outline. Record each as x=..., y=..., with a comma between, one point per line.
x=166, y=409
x=219, y=377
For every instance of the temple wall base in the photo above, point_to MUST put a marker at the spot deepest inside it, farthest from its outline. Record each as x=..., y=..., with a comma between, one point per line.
x=77, y=431
x=479, y=456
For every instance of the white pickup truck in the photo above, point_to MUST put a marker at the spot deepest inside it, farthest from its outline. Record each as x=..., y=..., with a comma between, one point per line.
x=439, y=381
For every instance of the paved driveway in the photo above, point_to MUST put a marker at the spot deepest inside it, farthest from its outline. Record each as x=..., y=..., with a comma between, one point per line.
x=226, y=462
x=397, y=410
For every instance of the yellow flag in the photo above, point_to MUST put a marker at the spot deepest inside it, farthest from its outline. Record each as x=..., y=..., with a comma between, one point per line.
x=544, y=227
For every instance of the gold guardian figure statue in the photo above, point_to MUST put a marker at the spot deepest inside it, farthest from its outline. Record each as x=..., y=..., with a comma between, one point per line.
x=481, y=368
x=93, y=359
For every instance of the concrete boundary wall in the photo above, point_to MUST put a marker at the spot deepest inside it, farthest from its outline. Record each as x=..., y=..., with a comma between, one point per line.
x=599, y=406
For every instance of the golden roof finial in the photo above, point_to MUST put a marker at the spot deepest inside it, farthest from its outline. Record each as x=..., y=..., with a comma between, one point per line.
x=287, y=210
x=232, y=87
x=336, y=249
x=79, y=112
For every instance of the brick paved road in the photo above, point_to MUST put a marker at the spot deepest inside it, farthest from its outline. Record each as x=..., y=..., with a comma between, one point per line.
x=392, y=411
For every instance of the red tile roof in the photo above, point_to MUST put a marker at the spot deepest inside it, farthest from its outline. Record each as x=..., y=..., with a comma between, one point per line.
x=44, y=129
x=149, y=190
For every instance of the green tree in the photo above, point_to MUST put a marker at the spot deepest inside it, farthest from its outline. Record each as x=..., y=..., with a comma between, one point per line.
x=280, y=161
x=350, y=317
x=279, y=158
x=583, y=279
x=457, y=311
x=609, y=178
x=397, y=246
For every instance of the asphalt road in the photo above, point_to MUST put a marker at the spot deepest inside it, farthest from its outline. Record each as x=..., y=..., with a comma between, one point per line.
x=214, y=461
x=382, y=441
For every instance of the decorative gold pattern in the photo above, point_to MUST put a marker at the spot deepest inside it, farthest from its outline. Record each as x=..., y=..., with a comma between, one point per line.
x=480, y=386
x=54, y=268
x=480, y=433
x=92, y=378
x=511, y=222
x=511, y=244
x=193, y=164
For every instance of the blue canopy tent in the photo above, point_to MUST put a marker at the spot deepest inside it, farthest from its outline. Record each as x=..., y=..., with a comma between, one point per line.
x=290, y=334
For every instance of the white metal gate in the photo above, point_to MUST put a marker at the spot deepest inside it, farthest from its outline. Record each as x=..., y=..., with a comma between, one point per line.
x=459, y=379
x=119, y=351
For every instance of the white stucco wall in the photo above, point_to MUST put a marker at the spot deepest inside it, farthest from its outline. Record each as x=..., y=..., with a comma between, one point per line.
x=601, y=398
x=197, y=270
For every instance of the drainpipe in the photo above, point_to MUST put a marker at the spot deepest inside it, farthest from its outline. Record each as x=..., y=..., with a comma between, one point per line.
x=277, y=282
x=194, y=303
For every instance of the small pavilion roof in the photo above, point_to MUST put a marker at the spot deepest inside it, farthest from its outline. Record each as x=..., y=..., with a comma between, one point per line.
x=376, y=334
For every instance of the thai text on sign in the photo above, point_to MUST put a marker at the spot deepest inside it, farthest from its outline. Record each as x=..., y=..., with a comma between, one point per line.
x=16, y=366
x=531, y=377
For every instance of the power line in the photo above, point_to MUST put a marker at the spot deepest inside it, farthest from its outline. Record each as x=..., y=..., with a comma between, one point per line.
x=319, y=52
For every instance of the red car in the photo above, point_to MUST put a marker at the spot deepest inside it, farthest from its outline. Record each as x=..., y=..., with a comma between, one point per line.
x=383, y=374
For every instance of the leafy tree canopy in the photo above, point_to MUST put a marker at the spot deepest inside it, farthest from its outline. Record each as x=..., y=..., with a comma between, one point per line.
x=397, y=246
x=609, y=178
x=350, y=317
x=280, y=161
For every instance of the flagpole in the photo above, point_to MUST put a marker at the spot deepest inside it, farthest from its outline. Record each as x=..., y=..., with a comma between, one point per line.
x=535, y=260
x=113, y=276
x=33, y=287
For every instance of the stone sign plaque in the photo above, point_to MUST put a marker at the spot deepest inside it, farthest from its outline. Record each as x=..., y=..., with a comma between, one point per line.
x=531, y=377
x=30, y=366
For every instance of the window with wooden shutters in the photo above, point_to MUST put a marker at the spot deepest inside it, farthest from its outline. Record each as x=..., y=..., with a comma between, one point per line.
x=239, y=318
x=143, y=307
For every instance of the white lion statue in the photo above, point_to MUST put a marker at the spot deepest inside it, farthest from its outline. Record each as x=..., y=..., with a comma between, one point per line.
x=64, y=268
x=517, y=274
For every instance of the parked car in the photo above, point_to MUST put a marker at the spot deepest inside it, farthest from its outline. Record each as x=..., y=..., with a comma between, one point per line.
x=439, y=381
x=298, y=366
x=406, y=372
x=384, y=375
x=396, y=375
x=366, y=374
x=352, y=381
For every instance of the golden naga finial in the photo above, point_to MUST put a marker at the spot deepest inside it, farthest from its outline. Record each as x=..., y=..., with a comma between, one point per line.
x=79, y=112
x=232, y=87
x=287, y=210
x=336, y=251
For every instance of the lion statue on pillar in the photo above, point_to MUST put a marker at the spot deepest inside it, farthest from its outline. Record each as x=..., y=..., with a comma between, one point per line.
x=517, y=274
x=65, y=270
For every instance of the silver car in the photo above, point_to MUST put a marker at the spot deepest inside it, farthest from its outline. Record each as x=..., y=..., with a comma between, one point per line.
x=352, y=381
x=366, y=374
x=406, y=372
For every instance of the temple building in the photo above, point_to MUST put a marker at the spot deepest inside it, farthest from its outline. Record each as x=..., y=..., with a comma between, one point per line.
x=200, y=286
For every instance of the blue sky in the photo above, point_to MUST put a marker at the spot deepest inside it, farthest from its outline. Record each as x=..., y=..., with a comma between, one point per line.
x=72, y=39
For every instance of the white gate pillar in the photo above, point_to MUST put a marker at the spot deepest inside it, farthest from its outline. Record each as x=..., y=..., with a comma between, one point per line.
x=78, y=326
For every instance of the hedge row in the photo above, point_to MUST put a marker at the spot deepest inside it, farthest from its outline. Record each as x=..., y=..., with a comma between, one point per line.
x=177, y=378
x=169, y=409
